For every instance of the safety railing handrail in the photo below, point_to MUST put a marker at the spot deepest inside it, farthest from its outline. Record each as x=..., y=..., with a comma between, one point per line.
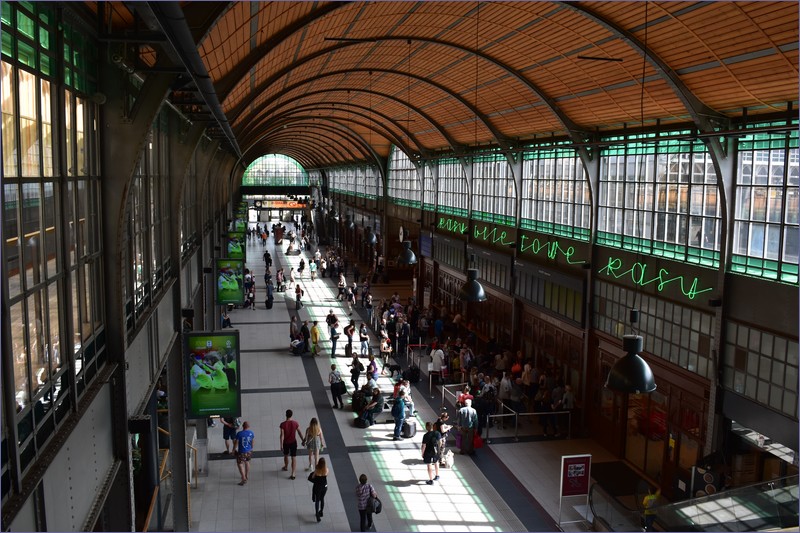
x=780, y=513
x=616, y=515
x=518, y=415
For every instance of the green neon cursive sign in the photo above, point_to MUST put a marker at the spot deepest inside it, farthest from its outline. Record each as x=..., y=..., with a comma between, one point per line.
x=491, y=235
x=638, y=274
x=453, y=225
x=551, y=249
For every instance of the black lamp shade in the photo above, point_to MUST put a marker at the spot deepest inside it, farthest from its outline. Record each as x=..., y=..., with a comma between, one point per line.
x=370, y=238
x=631, y=373
x=407, y=256
x=472, y=291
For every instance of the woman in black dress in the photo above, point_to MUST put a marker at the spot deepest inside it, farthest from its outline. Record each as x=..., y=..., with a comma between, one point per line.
x=319, y=477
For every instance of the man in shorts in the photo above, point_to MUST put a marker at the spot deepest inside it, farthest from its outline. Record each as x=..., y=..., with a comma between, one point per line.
x=430, y=451
x=229, y=429
x=243, y=449
x=290, y=429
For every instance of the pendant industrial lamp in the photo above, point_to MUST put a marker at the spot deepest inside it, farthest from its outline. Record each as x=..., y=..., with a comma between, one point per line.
x=631, y=374
x=407, y=255
x=370, y=238
x=472, y=291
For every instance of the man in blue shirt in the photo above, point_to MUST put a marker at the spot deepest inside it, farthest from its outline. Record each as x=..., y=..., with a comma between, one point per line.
x=243, y=449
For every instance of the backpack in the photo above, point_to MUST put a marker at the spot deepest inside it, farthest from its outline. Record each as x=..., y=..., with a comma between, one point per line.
x=360, y=366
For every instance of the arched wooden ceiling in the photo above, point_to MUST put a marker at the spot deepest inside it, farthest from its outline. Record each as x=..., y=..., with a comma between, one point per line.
x=333, y=81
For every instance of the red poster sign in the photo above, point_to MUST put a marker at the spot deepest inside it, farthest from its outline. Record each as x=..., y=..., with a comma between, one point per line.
x=575, y=474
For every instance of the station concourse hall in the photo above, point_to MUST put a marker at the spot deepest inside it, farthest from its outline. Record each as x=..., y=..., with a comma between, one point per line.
x=564, y=236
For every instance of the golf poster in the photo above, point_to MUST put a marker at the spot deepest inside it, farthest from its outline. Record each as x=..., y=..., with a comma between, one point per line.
x=212, y=373
x=230, y=281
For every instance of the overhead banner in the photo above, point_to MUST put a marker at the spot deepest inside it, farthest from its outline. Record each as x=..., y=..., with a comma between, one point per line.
x=230, y=281
x=212, y=373
x=236, y=245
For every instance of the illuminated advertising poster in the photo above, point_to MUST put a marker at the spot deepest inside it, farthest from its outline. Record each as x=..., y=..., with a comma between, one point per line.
x=236, y=245
x=240, y=224
x=575, y=473
x=230, y=281
x=212, y=373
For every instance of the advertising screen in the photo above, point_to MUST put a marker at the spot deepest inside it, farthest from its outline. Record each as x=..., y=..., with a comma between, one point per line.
x=230, y=281
x=212, y=373
x=236, y=245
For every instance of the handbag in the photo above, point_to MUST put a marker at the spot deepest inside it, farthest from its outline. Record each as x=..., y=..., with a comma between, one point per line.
x=477, y=442
x=374, y=505
x=340, y=388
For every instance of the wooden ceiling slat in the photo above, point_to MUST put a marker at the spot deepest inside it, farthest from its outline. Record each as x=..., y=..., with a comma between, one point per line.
x=592, y=94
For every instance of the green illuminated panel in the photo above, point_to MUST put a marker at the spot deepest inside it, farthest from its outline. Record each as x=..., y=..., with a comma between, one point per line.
x=455, y=211
x=552, y=228
x=407, y=203
x=496, y=219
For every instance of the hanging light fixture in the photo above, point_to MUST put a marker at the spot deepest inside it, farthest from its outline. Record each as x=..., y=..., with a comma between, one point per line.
x=407, y=255
x=370, y=238
x=472, y=291
x=631, y=374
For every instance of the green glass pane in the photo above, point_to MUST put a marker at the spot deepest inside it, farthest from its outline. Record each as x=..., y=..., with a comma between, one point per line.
x=26, y=54
x=67, y=53
x=6, y=16
x=25, y=25
x=45, y=65
x=77, y=58
x=67, y=76
x=44, y=38
x=8, y=44
x=44, y=15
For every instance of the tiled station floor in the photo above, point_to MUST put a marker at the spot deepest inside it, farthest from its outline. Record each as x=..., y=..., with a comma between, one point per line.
x=506, y=486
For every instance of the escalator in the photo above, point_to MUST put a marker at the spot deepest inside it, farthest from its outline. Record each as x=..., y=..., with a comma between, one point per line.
x=760, y=507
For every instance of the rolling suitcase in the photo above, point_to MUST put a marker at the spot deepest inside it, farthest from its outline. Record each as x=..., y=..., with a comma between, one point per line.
x=409, y=428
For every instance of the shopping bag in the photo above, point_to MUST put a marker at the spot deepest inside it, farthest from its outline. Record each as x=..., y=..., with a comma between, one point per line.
x=477, y=442
x=458, y=440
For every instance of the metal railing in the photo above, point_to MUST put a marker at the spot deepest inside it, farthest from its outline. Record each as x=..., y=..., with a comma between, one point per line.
x=507, y=412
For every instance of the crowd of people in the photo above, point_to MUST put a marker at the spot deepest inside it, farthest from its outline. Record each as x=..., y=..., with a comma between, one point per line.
x=493, y=377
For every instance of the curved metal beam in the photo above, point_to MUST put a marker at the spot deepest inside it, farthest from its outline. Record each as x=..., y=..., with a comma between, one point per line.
x=351, y=137
x=226, y=84
x=333, y=147
x=313, y=151
x=317, y=122
x=370, y=156
x=368, y=124
x=319, y=150
x=297, y=151
x=253, y=111
x=702, y=115
x=575, y=131
x=345, y=108
x=170, y=17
